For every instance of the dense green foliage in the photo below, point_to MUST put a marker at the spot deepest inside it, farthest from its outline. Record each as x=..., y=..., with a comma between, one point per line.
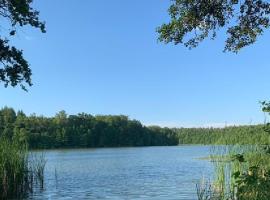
x=82, y=130
x=249, y=134
x=242, y=172
x=85, y=130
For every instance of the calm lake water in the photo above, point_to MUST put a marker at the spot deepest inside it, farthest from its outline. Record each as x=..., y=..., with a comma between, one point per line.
x=125, y=173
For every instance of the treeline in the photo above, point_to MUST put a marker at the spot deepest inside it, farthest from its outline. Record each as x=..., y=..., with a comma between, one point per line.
x=248, y=134
x=85, y=130
x=82, y=130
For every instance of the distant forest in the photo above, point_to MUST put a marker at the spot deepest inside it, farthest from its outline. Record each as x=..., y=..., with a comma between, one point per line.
x=85, y=130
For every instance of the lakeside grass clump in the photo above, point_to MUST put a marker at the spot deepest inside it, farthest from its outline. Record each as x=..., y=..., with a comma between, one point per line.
x=246, y=176
x=18, y=174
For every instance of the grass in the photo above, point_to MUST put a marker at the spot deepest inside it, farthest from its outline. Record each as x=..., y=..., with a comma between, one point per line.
x=242, y=172
x=18, y=174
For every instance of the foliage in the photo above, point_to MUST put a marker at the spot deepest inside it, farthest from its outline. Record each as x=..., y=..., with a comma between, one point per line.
x=15, y=69
x=18, y=175
x=194, y=20
x=82, y=130
x=85, y=130
x=253, y=184
x=248, y=134
x=245, y=176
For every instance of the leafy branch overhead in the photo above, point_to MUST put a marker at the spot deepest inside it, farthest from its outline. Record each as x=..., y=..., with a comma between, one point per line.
x=194, y=20
x=14, y=68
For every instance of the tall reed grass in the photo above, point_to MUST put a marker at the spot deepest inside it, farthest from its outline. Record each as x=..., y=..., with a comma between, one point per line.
x=242, y=172
x=18, y=174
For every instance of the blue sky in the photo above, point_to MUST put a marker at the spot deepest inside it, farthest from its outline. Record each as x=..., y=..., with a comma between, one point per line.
x=102, y=57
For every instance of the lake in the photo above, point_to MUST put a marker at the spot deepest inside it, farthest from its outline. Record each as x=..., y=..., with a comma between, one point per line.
x=125, y=173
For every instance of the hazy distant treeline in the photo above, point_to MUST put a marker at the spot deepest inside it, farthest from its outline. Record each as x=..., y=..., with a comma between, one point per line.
x=249, y=134
x=85, y=130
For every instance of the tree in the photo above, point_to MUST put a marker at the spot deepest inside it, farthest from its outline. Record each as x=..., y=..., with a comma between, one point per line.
x=194, y=20
x=8, y=116
x=15, y=69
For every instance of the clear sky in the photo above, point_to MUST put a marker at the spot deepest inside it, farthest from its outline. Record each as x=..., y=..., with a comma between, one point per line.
x=102, y=57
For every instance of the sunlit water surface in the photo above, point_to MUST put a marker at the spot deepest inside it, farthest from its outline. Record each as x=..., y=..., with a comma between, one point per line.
x=125, y=173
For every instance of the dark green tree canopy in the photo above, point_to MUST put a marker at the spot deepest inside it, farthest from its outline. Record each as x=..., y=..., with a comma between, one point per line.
x=194, y=20
x=14, y=68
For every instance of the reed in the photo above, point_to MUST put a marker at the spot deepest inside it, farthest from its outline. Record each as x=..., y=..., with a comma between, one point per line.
x=207, y=191
x=242, y=172
x=18, y=174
